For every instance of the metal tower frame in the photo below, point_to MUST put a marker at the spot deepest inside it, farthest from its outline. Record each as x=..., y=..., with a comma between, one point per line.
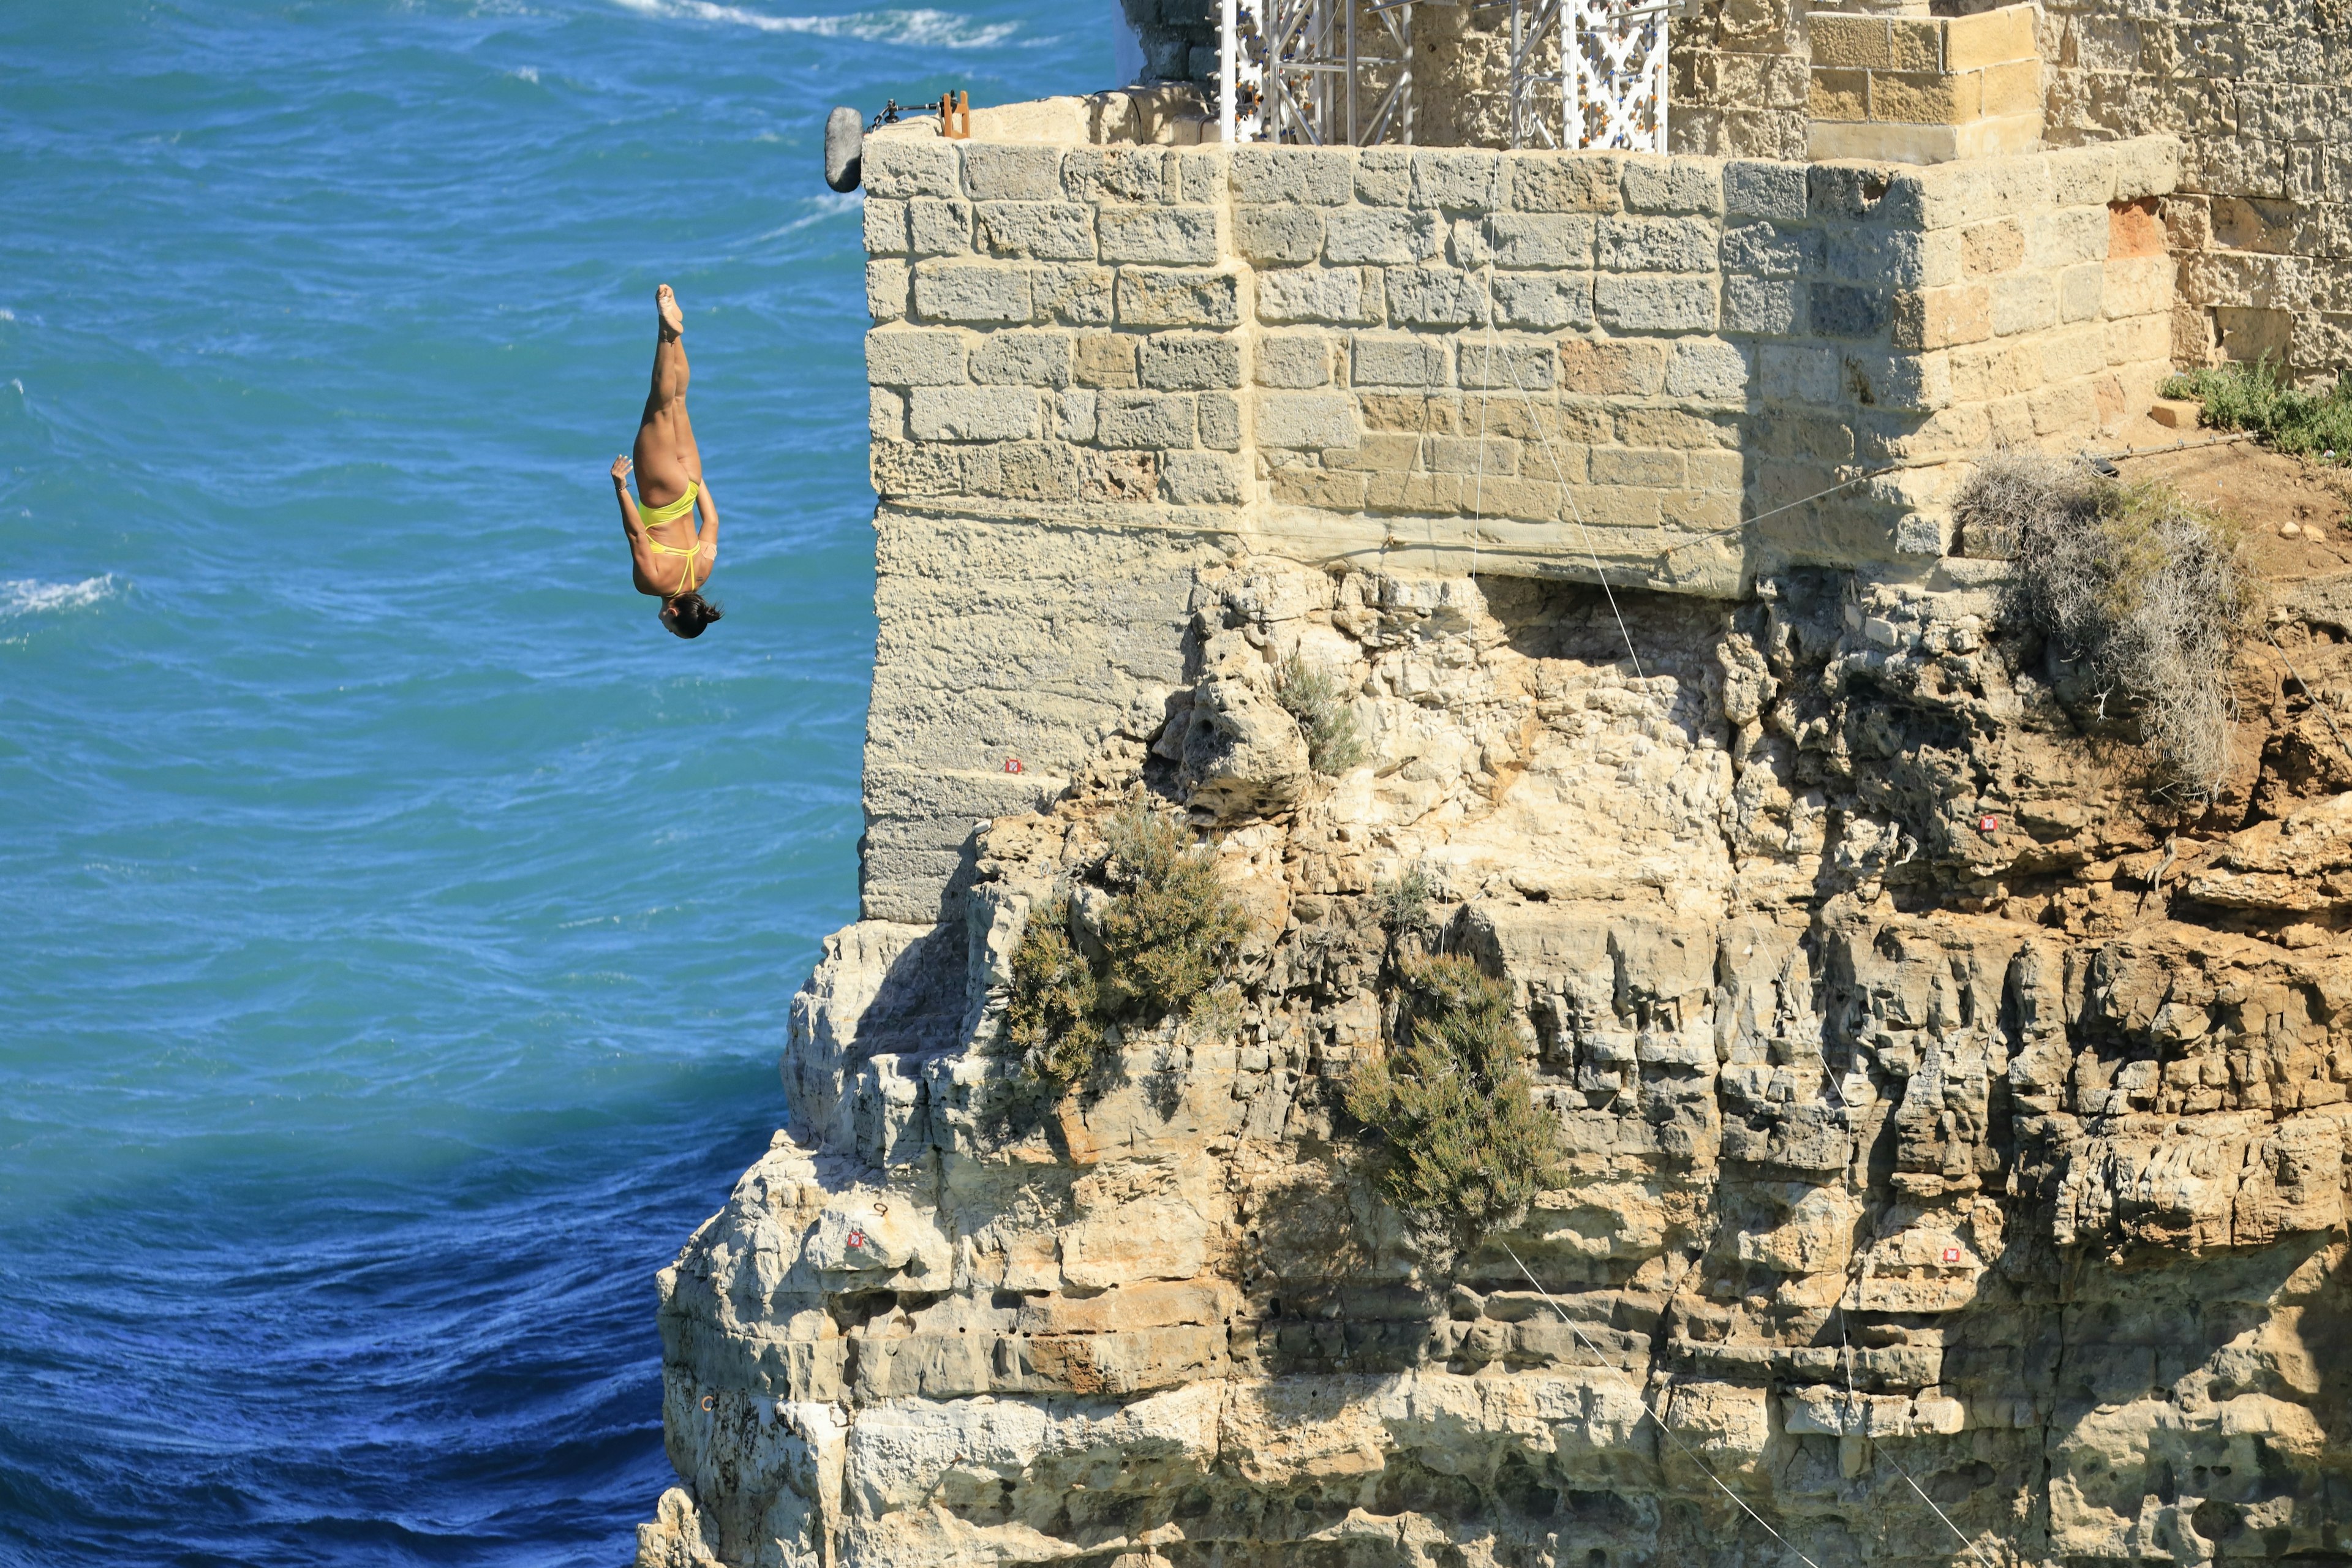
x=1608, y=60
x=1308, y=71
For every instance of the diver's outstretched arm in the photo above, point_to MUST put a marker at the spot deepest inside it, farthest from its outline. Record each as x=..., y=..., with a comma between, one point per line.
x=630, y=523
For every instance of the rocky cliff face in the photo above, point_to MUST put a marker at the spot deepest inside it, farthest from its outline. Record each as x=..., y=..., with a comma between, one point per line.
x=1955, y=1131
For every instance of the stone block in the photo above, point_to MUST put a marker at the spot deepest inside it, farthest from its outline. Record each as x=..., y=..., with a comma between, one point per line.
x=1319, y=177
x=973, y=414
x=1434, y=297
x=1307, y=421
x=1652, y=184
x=1770, y=250
x=1049, y=231
x=1074, y=295
x=2074, y=352
x=2082, y=292
x=2137, y=287
x=1626, y=367
x=2081, y=176
x=1636, y=302
x=1036, y=470
x=1771, y=307
x=1074, y=414
x=1563, y=182
x=1774, y=190
x=939, y=227
x=1220, y=421
x=1010, y=171
x=1515, y=366
x=1914, y=44
x=899, y=167
x=1466, y=181
x=1200, y=174
x=1379, y=452
x=1543, y=300
x=885, y=415
x=1384, y=176
x=1149, y=297
x=1023, y=359
x=1542, y=240
x=1336, y=295
x=916, y=357
x=1100, y=174
x=2008, y=89
x=1923, y=98
x=2023, y=302
x=1657, y=245
x=1286, y=232
x=885, y=289
x=2066, y=237
x=1868, y=254
x=2147, y=166
x=1797, y=374
x=1938, y=317
x=1850, y=43
x=1390, y=359
x=1839, y=95
x=1292, y=360
x=1359, y=235
x=1191, y=362
x=1707, y=368
x=1106, y=359
x=1846, y=310
x=1318, y=487
x=976, y=291
x=1611, y=505
x=1174, y=236
x=1142, y=420
x=1200, y=479
x=886, y=226
x=1988, y=248
x=2063, y=410
x=1484, y=456
x=1988, y=38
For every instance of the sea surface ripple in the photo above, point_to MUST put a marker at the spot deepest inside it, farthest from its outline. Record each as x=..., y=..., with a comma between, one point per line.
x=399, y=927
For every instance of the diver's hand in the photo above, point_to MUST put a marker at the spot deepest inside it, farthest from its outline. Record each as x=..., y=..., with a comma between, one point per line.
x=621, y=468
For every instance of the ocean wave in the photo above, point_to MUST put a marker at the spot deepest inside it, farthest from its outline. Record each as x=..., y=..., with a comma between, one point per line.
x=817, y=208
x=921, y=27
x=25, y=596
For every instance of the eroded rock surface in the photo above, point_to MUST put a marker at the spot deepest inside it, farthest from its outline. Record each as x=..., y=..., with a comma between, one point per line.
x=1947, y=1118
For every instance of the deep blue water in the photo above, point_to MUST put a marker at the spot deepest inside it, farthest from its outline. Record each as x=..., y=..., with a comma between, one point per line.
x=396, y=926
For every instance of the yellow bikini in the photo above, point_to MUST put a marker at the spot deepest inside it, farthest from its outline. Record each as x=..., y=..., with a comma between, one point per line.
x=649, y=517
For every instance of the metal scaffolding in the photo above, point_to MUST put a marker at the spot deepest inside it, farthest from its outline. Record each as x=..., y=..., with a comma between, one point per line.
x=1316, y=72
x=1589, y=73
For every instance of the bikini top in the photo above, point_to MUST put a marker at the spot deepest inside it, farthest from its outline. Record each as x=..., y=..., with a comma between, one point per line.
x=649, y=516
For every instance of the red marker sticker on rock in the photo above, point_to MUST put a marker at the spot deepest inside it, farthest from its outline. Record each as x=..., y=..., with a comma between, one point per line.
x=1013, y=765
x=1988, y=823
x=1952, y=1254
x=858, y=1238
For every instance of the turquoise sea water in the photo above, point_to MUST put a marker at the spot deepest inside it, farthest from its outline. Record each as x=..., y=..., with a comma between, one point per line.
x=396, y=927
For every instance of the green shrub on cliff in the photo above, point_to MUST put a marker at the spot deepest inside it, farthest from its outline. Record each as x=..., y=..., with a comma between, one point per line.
x=1467, y=1146
x=1318, y=700
x=2151, y=592
x=1164, y=942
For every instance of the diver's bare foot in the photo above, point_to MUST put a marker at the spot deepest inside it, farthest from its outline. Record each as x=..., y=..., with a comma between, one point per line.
x=673, y=321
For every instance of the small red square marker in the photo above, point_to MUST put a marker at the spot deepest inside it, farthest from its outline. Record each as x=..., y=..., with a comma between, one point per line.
x=1013, y=765
x=1988, y=823
x=858, y=1238
x=1951, y=1255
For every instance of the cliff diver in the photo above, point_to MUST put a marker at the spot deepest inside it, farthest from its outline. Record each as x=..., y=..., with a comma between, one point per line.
x=669, y=556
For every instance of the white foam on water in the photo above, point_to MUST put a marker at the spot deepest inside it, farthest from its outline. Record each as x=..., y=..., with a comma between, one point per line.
x=525, y=73
x=921, y=26
x=25, y=596
x=830, y=204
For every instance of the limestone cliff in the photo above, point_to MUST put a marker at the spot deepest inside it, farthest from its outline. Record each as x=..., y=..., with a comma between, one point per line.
x=1953, y=1125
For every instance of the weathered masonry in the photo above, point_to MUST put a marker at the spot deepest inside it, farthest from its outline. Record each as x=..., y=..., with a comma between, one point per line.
x=1097, y=366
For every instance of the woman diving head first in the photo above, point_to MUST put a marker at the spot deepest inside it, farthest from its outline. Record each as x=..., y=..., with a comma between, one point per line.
x=669, y=556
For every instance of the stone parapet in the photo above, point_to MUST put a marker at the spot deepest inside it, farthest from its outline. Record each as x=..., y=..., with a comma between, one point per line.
x=1924, y=89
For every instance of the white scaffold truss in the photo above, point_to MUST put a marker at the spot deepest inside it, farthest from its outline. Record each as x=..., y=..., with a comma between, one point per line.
x=1322, y=73
x=1589, y=73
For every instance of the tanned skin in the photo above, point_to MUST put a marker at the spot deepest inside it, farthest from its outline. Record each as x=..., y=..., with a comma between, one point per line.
x=666, y=461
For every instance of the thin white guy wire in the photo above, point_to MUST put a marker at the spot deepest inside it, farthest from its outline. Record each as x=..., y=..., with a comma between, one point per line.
x=1647, y=1409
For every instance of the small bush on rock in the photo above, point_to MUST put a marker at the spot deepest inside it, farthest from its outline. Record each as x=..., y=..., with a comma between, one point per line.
x=2152, y=592
x=1467, y=1146
x=2252, y=398
x=1166, y=941
x=1318, y=700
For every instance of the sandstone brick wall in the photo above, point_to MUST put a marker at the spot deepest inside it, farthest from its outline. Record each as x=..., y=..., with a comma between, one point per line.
x=2259, y=94
x=1095, y=367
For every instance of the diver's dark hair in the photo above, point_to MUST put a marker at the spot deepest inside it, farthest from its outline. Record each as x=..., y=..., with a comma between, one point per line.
x=689, y=613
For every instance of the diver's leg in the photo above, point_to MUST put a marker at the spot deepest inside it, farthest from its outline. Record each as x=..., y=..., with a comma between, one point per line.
x=663, y=469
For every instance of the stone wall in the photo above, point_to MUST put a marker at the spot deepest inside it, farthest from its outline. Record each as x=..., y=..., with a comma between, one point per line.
x=1120, y=361
x=2259, y=95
